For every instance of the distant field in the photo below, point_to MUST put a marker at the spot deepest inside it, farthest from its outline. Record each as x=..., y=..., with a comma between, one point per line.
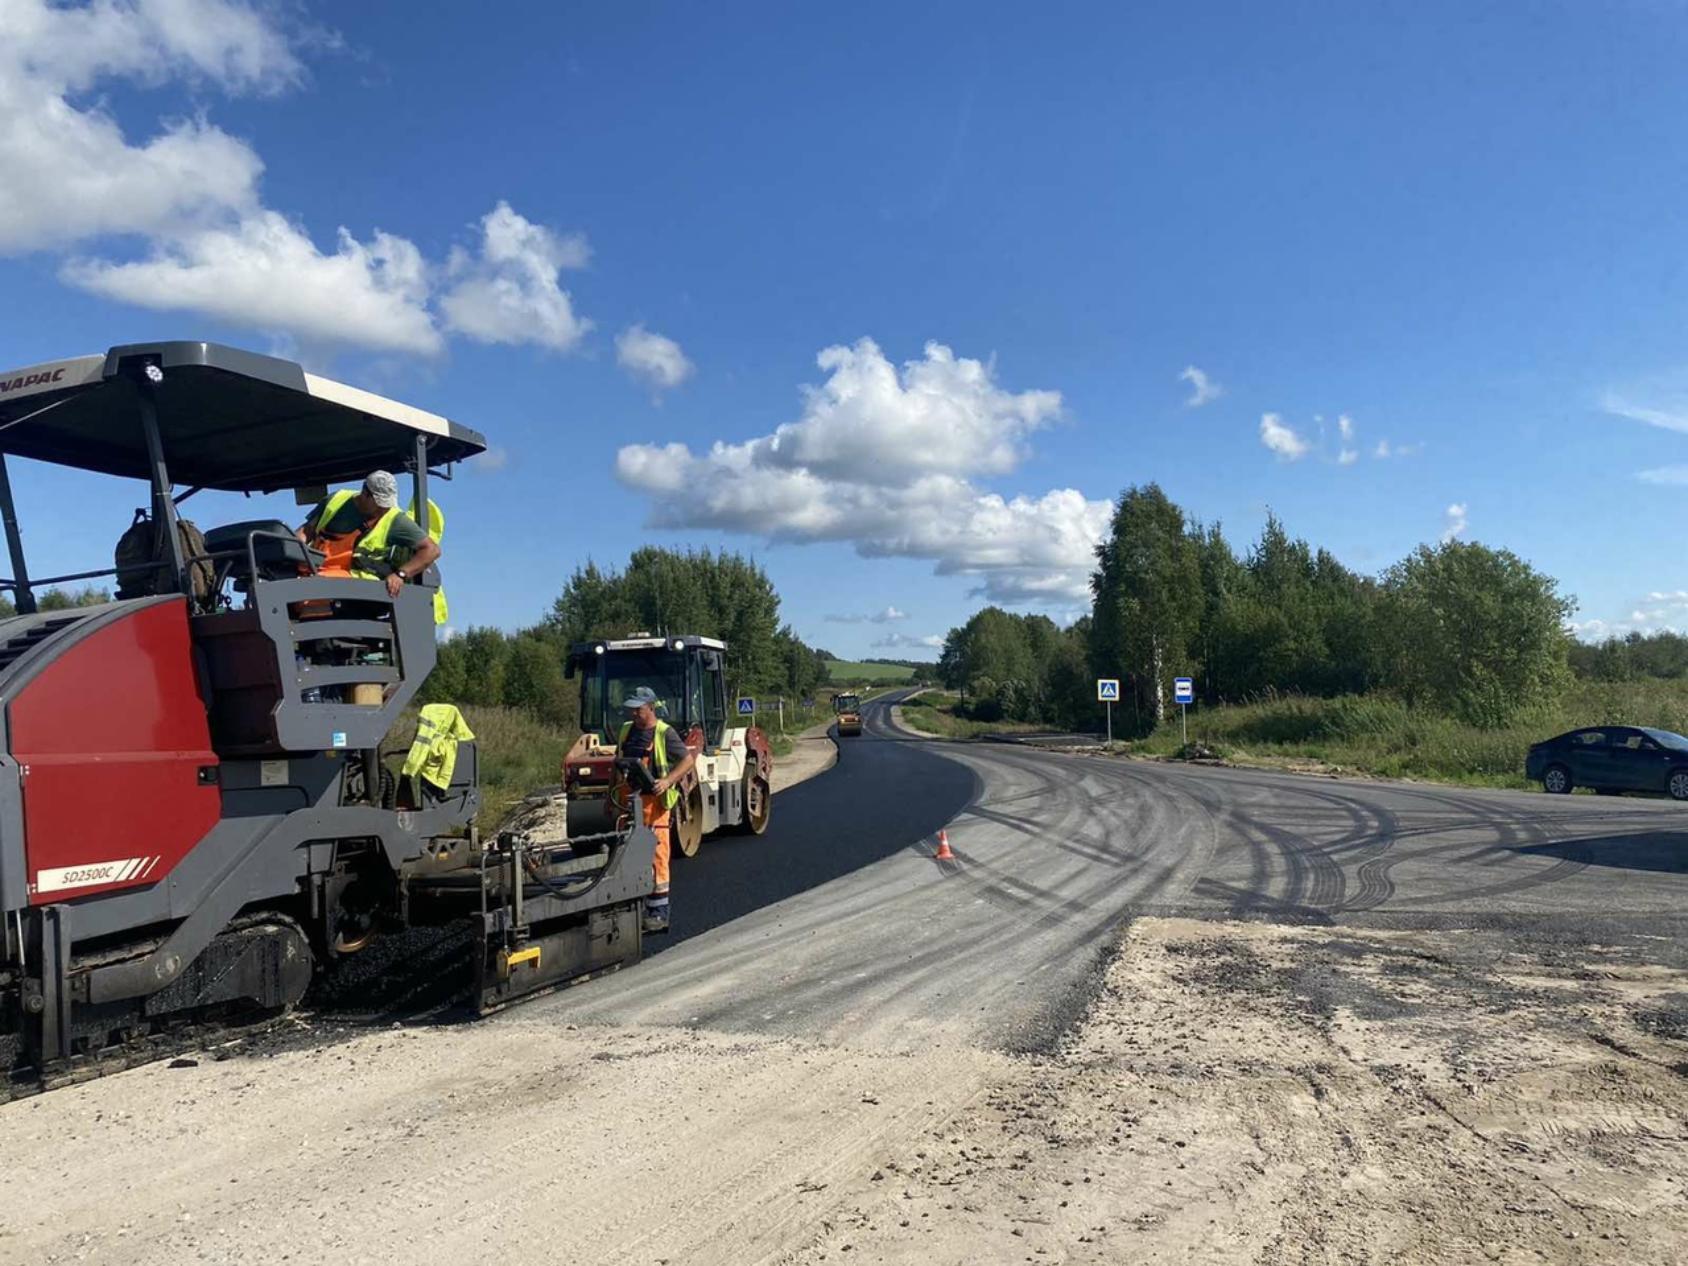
x=843, y=670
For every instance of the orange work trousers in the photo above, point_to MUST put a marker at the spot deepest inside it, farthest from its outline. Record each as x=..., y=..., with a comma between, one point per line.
x=657, y=817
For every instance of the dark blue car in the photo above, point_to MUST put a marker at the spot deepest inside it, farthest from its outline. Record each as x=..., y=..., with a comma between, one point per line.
x=1611, y=759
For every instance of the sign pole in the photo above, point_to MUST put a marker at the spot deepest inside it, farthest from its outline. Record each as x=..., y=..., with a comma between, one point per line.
x=1184, y=694
x=1107, y=694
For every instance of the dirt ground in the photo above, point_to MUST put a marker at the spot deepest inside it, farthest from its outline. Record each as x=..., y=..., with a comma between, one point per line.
x=1237, y=1093
x=1257, y=1093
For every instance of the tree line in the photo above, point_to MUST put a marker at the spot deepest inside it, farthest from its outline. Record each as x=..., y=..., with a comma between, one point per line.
x=661, y=591
x=1470, y=630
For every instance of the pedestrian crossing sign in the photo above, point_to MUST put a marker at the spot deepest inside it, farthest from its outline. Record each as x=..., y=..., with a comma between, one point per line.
x=1107, y=689
x=746, y=707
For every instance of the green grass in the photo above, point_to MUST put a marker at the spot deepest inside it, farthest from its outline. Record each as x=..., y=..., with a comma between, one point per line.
x=798, y=719
x=518, y=756
x=935, y=712
x=1376, y=734
x=842, y=671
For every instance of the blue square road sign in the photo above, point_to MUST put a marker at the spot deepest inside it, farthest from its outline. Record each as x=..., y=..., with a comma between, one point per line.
x=747, y=707
x=1183, y=690
x=1107, y=690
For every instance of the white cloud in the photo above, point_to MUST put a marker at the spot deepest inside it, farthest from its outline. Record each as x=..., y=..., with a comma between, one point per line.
x=1282, y=440
x=894, y=641
x=888, y=616
x=1203, y=390
x=655, y=358
x=509, y=291
x=1385, y=450
x=883, y=457
x=1668, y=476
x=70, y=173
x=73, y=182
x=872, y=422
x=1661, y=611
x=266, y=273
x=1345, y=428
x=1454, y=522
x=1667, y=419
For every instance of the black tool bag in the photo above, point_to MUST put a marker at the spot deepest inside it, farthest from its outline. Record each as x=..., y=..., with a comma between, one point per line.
x=141, y=548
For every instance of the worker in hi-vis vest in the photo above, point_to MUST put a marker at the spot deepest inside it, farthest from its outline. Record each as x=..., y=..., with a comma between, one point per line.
x=365, y=535
x=646, y=737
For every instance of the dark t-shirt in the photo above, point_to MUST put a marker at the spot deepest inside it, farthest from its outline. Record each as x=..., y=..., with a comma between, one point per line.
x=404, y=530
x=639, y=744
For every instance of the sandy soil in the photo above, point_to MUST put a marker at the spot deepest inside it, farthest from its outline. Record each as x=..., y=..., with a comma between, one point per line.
x=1249, y=1092
x=812, y=752
x=1237, y=1093
x=452, y=1145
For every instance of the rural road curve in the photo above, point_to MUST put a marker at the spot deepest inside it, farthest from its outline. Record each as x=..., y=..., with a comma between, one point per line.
x=844, y=1048
x=838, y=925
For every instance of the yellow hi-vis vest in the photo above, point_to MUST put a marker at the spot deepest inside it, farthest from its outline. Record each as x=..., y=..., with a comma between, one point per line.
x=433, y=754
x=371, y=549
x=659, y=757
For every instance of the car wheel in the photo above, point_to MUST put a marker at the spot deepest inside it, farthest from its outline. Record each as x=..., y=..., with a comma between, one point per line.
x=1556, y=780
x=1678, y=784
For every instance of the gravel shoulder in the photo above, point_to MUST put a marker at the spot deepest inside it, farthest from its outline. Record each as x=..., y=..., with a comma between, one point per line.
x=1246, y=1092
x=813, y=752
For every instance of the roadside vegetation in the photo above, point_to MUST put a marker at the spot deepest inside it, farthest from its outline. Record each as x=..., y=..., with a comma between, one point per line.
x=1381, y=735
x=1445, y=666
x=720, y=595
x=945, y=713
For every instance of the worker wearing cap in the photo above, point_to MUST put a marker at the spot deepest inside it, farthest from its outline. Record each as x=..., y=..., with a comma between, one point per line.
x=647, y=737
x=365, y=535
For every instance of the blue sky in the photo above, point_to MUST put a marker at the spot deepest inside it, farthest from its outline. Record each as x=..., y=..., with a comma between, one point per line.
x=1459, y=229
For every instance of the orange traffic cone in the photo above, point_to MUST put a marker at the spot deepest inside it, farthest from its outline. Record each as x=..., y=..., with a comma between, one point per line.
x=943, y=854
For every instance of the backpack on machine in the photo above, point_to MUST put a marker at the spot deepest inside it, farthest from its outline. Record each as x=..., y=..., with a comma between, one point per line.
x=142, y=546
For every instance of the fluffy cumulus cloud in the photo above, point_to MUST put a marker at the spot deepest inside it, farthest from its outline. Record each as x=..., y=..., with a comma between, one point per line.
x=265, y=272
x=889, y=615
x=652, y=358
x=885, y=457
x=1203, y=390
x=70, y=173
x=1454, y=523
x=181, y=209
x=1284, y=441
x=510, y=290
x=906, y=641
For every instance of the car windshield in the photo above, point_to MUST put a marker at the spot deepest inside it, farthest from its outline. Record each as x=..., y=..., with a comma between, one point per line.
x=619, y=674
x=1667, y=738
x=845, y=703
